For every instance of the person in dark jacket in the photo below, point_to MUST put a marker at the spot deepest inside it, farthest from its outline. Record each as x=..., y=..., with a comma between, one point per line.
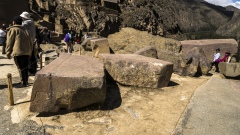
x=19, y=46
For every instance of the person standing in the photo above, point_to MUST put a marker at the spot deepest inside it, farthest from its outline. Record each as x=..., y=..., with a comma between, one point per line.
x=3, y=39
x=216, y=57
x=30, y=26
x=19, y=46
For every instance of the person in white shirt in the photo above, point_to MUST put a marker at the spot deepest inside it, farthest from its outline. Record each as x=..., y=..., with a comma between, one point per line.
x=3, y=39
x=215, y=58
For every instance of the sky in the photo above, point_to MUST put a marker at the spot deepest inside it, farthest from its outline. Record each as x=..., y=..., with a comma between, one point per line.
x=235, y=3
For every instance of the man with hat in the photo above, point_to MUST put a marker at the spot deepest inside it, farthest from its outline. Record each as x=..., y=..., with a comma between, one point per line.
x=30, y=26
x=19, y=46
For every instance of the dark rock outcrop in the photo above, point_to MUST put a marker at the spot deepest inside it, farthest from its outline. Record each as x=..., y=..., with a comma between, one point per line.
x=195, y=19
x=10, y=8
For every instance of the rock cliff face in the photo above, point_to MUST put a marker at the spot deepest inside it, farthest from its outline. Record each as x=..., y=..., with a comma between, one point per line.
x=193, y=19
x=10, y=8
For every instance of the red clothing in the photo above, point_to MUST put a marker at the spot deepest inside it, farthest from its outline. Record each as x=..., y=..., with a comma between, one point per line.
x=223, y=59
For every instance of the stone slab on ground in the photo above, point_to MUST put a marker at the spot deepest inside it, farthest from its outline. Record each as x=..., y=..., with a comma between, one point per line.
x=210, y=45
x=229, y=69
x=137, y=70
x=69, y=82
x=213, y=110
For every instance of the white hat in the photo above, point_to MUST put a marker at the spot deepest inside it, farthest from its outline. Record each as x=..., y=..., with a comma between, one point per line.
x=25, y=15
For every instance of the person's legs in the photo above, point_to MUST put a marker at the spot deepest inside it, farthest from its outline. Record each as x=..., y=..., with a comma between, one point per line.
x=4, y=49
x=33, y=63
x=22, y=64
x=216, y=65
x=69, y=47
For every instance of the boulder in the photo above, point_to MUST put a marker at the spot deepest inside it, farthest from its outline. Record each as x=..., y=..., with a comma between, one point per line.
x=209, y=46
x=68, y=82
x=148, y=51
x=179, y=63
x=192, y=63
x=129, y=40
x=99, y=45
x=199, y=63
x=137, y=70
x=229, y=69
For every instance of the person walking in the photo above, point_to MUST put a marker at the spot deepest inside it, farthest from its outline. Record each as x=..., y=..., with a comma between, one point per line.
x=216, y=57
x=30, y=26
x=68, y=42
x=19, y=46
x=3, y=39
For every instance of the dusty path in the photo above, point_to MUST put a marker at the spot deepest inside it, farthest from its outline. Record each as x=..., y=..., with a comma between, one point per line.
x=142, y=111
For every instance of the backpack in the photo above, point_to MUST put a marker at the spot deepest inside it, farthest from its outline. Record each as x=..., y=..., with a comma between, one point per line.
x=67, y=38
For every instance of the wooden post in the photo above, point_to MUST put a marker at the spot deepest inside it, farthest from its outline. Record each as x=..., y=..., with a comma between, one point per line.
x=79, y=50
x=41, y=60
x=10, y=90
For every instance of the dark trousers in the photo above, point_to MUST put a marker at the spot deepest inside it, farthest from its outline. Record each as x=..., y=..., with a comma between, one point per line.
x=33, y=63
x=22, y=65
x=216, y=66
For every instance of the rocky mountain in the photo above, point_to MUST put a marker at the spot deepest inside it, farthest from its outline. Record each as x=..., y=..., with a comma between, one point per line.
x=180, y=19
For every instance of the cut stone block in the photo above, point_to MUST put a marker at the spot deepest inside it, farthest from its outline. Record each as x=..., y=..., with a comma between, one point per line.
x=68, y=82
x=210, y=45
x=137, y=70
x=99, y=45
x=229, y=69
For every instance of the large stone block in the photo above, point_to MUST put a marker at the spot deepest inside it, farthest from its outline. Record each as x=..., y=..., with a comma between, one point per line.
x=209, y=46
x=69, y=82
x=137, y=70
x=192, y=63
x=199, y=62
x=229, y=69
x=99, y=45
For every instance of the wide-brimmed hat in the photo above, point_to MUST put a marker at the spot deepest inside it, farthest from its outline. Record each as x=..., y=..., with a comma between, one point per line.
x=25, y=15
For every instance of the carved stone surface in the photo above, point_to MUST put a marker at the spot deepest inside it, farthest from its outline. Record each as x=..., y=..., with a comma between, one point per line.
x=137, y=70
x=68, y=82
x=229, y=69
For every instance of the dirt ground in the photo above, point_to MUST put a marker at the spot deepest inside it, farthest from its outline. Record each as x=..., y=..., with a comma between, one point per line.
x=142, y=110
